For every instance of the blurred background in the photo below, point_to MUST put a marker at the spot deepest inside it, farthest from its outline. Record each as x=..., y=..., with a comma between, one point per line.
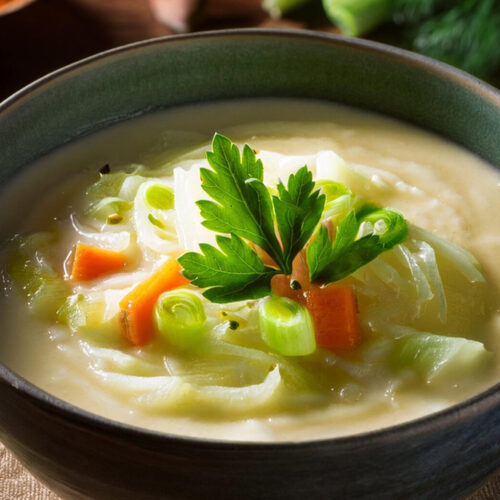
x=39, y=36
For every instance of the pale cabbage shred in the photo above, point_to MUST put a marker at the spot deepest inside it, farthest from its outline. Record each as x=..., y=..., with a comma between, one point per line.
x=234, y=372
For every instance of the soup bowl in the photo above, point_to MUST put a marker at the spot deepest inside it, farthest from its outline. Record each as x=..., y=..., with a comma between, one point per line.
x=82, y=455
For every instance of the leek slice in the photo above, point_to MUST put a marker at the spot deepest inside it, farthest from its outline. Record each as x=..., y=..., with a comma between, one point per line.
x=180, y=318
x=118, y=241
x=107, y=207
x=441, y=358
x=155, y=227
x=159, y=197
x=286, y=326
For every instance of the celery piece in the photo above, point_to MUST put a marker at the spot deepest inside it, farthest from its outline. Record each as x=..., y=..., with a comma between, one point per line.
x=180, y=318
x=440, y=358
x=48, y=297
x=286, y=326
x=24, y=274
x=33, y=277
x=357, y=17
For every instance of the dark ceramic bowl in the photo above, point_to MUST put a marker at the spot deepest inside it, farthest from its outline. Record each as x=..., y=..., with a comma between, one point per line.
x=80, y=455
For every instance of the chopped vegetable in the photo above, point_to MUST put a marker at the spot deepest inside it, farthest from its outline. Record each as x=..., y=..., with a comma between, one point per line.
x=108, y=207
x=464, y=33
x=156, y=231
x=93, y=315
x=136, y=308
x=281, y=285
x=180, y=318
x=355, y=17
x=286, y=326
x=244, y=209
x=34, y=277
x=159, y=197
x=440, y=358
x=93, y=262
x=334, y=313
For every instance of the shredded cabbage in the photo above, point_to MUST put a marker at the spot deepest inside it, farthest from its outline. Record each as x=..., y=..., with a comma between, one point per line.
x=233, y=371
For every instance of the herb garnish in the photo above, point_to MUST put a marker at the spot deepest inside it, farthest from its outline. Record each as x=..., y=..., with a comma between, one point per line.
x=281, y=225
x=329, y=262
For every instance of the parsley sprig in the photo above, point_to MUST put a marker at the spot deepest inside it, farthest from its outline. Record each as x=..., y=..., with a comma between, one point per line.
x=281, y=225
x=244, y=209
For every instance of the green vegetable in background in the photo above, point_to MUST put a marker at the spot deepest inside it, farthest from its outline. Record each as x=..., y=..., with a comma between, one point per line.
x=464, y=33
x=355, y=17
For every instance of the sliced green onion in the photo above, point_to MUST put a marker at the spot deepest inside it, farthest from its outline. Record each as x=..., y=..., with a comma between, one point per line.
x=159, y=197
x=286, y=326
x=356, y=17
x=180, y=318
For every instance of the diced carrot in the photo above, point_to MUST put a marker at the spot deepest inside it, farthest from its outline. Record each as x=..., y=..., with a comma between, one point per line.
x=280, y=286
x=334, y=313
x=92, y=262
x=136, y=308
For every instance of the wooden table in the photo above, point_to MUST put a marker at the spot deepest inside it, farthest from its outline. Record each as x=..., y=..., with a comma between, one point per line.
x=49, y=34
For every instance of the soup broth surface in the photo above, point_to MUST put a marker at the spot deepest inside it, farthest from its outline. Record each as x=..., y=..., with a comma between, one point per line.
x=437, y=185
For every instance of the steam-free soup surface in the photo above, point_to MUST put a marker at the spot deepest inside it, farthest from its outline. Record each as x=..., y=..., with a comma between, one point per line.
x=438, y=186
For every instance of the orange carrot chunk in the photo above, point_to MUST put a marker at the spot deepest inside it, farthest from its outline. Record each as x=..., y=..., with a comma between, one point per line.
x=136, y=308
x=334, y=313
x=280, y=286
x=92, y=262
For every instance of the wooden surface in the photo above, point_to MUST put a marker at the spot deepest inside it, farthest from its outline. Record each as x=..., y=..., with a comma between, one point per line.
x=49, y=34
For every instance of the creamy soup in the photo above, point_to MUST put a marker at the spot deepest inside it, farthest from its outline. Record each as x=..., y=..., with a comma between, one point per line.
x=98, y=223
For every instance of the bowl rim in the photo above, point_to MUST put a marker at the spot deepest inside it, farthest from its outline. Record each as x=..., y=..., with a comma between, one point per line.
x=452, y=415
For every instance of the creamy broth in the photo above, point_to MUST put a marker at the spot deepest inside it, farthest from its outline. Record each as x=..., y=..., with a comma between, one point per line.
x=440, y=187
